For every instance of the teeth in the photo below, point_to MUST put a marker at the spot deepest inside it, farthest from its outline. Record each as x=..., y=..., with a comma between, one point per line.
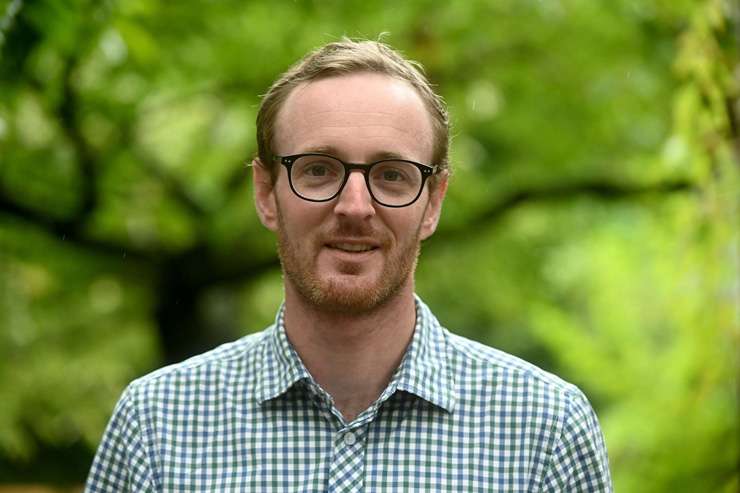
x=352, y=248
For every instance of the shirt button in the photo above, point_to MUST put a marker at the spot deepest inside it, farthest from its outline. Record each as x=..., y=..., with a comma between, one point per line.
x=350, y=438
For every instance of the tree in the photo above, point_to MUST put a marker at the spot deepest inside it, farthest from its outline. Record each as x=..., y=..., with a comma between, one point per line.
x=590, y=227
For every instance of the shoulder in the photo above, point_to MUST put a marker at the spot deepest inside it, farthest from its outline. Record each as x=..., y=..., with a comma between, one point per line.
x=552, y=415
x=483, y=370
x=474, y=356
x=231, y=362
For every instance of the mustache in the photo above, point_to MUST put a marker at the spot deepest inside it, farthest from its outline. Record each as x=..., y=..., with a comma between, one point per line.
x=355, y=230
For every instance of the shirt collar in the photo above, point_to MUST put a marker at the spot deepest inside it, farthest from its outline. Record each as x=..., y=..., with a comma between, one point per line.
x=281, y=365
x=424, y=370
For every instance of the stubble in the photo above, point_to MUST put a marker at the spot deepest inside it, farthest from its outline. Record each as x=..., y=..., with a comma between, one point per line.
x=339, y=293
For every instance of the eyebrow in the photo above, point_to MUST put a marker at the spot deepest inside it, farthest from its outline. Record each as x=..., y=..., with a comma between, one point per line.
x=333, y=151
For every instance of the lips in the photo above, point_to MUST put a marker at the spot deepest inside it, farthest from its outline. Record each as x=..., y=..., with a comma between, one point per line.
x=353, y=245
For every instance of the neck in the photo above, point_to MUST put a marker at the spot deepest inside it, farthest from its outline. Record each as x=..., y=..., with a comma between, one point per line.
x=352, y=356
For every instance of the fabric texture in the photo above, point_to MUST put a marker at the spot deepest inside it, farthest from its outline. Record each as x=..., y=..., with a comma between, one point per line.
x=456, y=416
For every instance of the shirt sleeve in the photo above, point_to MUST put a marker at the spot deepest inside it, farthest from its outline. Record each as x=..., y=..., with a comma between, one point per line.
x=121, y=463
x=579, y=461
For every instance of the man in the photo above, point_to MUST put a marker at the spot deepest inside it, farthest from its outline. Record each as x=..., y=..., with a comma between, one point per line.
x=356, y=387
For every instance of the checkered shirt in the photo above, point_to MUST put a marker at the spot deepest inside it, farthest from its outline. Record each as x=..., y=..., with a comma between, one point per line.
x=456, y=416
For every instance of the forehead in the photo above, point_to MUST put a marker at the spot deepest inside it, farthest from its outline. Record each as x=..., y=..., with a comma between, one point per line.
x=359, y=115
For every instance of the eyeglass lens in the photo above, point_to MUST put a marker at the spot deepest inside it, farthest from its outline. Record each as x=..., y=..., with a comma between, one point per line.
x=391, y=182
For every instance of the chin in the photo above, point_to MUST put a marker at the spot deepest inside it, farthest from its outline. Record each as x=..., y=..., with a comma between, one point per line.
x=349, y=294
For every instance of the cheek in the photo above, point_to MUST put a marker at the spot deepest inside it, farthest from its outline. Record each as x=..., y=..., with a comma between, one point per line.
x=298, y=218
x=403, y=225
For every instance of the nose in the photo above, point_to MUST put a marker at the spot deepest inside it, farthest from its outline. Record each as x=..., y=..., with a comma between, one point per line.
x=355, y=199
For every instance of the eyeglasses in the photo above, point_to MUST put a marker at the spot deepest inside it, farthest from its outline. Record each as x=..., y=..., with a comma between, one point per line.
x=391, y=182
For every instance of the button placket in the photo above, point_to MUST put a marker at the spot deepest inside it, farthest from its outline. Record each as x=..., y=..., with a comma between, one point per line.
x=346, y=473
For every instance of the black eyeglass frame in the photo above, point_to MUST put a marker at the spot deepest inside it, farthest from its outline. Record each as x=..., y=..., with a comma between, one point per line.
x=427, y=170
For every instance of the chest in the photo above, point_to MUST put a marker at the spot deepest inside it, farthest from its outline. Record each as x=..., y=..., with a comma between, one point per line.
x=406, y=447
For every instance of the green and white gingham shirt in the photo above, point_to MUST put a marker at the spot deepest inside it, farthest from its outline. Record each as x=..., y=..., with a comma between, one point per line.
x=456, y=416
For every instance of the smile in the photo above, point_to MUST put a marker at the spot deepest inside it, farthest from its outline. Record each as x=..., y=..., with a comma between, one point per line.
x=351, y=247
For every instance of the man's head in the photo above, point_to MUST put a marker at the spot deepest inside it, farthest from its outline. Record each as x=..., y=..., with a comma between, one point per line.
x=344, y=58
x=349, y=252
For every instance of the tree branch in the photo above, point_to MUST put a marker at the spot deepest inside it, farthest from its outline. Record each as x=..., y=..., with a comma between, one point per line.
x=68, y=116
x=732, y=105
x=559, y=193
x=67, y=231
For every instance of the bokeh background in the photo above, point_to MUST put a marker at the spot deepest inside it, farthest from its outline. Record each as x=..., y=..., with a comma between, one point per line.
x=591, y=225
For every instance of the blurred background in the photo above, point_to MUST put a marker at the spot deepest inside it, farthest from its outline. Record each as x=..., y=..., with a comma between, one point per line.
x=591, y=226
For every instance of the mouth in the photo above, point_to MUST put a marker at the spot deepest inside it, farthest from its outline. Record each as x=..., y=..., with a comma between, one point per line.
x=352, y=247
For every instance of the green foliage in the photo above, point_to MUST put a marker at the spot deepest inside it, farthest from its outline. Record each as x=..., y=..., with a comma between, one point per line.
x=591, y=225
x=74, y=329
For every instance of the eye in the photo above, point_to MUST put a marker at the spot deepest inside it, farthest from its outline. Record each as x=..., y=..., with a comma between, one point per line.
x=392, y=175
x=317, y=169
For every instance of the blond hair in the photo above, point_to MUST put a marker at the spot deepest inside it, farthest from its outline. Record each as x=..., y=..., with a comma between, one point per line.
x=346, y=57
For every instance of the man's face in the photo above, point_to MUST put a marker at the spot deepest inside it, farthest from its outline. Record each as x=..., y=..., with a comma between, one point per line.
x=349, y=254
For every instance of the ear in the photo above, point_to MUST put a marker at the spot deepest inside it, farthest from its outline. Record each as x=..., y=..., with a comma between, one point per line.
x=434, y=207
x=264, y=195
